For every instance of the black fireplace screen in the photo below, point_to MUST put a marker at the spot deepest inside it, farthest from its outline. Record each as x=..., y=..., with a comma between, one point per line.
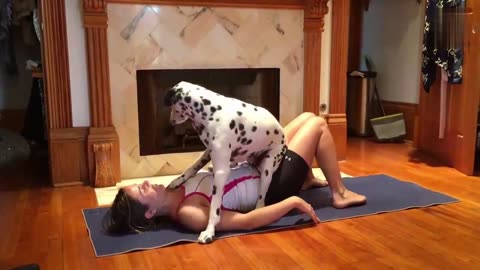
x=258, y=86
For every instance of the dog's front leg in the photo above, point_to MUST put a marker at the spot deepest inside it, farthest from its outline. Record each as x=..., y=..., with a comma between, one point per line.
x=197, y=165
x=221, y=170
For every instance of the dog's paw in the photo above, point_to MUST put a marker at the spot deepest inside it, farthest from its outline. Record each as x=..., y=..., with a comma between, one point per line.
x=206, y=236
x=176, y=183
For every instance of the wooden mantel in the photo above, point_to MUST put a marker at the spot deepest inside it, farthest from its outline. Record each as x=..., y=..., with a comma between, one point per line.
x=102, y=155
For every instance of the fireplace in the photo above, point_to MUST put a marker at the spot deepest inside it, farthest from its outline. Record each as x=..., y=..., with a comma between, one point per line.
x=258, y=86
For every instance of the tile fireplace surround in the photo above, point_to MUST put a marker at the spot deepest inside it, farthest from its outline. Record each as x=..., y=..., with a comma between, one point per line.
x=123, y=36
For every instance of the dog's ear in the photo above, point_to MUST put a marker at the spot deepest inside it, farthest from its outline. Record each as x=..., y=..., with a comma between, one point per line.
x=170, y=97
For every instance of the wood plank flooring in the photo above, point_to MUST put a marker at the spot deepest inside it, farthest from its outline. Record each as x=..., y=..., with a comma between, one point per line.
x=44, y=225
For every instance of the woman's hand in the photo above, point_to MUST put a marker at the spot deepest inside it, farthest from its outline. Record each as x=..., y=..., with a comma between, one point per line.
x=306, y=208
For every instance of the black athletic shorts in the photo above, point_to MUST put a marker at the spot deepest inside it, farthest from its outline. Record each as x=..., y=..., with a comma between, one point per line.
x=288, y=179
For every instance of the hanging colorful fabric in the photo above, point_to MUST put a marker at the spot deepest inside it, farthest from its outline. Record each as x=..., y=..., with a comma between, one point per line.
x=443, y=40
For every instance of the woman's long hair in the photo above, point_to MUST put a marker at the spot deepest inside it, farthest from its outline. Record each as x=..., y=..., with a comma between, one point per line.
x=127, y=215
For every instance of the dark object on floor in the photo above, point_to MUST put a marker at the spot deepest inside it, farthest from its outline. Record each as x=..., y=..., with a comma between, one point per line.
x=32, y=266
x=13, y=148
x=34, y=125
x=384, y=194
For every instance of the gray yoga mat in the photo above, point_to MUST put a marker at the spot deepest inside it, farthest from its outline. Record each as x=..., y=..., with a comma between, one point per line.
x=384, y=194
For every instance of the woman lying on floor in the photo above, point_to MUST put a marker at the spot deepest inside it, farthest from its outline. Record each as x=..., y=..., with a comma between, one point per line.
x=142, y=207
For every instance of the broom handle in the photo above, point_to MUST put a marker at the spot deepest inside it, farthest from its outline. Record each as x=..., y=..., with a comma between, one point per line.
x=378, y=98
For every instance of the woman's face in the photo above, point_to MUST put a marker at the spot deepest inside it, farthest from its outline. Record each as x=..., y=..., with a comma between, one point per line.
x=147, y=194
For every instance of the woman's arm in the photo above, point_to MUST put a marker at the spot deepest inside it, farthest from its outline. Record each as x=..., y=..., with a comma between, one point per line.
x=196, y=217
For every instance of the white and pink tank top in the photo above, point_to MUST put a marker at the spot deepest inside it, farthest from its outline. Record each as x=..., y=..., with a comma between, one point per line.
x=240, y=192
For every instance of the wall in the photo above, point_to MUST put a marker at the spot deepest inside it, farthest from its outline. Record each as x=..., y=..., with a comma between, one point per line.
x=78, y=63
x=392, y=37
x=78, y=69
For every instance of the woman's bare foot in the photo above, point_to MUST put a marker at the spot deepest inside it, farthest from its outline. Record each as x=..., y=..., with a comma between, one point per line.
x=347, y=198
x=314, y=182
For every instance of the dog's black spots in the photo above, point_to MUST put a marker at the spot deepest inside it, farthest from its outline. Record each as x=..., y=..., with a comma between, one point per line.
x=210, y=119
x=214, y=190
x=254, y=128
x=266, y=172
x=244, y=105
x=201, y=107
x=203, y=118
x=218, y=211
x=188, y=99
x=274, y=163
x=195, y=104
x=249, y=141
x=236, y=131
x=243, y=133
x=169, y=97
x=213, y=138
x=219, y=107
x=217, y=120
x=236, y=152
x=239, y=113
x=213, y=109
x=241, y=126
x=206, y=141
x=243, y=152
x=182, y=176
x=275, y=131
x=243, y=140
x=197, y=111
x=229, y=145
x=255, y=109
x=268, y=132
x=208, y=134
x=204, y=114
x=260, y=197
x=238, y=139
x=283, y=142
x=232, y=124
x=206, y=101
x=283, y=136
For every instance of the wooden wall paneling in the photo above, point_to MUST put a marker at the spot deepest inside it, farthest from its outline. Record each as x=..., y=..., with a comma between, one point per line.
x=357, y=8
x=338, y=71
x=62, y=139
x=104, y=169
x=457, y=148
x=315, y=11
x=57, y=74
x=290, y=4
x=68, y=156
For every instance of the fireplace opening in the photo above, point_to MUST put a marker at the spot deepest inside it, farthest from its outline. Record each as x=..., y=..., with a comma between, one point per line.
x=258, y=86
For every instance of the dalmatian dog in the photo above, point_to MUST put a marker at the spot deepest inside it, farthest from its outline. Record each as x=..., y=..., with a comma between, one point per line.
x=232, y=131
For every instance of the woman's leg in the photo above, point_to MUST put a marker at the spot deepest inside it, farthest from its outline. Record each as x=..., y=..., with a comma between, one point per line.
x=290, y=130
x=314, y=140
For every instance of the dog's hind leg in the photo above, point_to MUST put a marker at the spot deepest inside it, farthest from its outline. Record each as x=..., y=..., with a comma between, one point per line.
x=268, y=165
x=197, y=165
x=221, y=171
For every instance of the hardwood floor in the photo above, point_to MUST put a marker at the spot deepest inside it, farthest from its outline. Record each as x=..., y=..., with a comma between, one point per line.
x=44, y=225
